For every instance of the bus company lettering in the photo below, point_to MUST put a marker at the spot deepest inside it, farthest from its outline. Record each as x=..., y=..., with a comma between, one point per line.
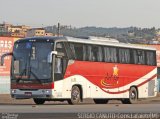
x=111, y=80
x=6, y=44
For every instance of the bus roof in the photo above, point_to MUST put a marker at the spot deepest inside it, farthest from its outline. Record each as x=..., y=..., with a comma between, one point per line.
x=40, y=38
x=108, y=43
x=87, y=41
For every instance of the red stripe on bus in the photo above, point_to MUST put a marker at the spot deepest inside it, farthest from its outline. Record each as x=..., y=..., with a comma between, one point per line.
x=128, y=89
x=33, y=86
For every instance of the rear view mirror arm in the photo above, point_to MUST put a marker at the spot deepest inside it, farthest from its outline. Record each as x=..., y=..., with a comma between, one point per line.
x=3, y=56
x=50, y=56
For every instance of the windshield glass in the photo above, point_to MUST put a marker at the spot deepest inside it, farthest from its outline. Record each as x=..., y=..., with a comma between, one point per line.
x=30, y=61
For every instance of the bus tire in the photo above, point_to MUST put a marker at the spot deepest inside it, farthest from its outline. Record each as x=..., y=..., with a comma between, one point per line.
x=39, y=101
x=100, y=101
x=133, y=96
x=75, y=96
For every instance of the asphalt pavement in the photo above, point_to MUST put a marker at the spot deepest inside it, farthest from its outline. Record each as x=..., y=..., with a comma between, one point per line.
x=6, y=99
x=26, y=109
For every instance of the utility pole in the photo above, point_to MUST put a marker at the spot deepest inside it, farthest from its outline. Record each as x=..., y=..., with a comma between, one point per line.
x=58, y=30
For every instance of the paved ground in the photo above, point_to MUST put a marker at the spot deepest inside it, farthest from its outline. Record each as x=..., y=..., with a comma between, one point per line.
x=86, y=111
x=26, y=109
x=65, y=108
x=6, y=99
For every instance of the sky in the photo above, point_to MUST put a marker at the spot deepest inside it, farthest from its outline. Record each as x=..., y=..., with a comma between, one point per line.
x=81, y=13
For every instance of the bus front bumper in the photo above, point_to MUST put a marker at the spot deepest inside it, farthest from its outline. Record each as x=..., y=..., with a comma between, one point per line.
x=26, y=94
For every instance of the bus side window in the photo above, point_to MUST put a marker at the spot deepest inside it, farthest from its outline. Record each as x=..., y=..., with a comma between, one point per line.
x=107, y=54
x=73, y=50
x=58, y=65
x=60, y=61
x=70, y=53
x=77, y=50
x=124, y=55
x=139, y=56
x=61, y=49
x=150, y=58
x=100, y=54
x=110, y=54
x=96, y=53
x=88, y=53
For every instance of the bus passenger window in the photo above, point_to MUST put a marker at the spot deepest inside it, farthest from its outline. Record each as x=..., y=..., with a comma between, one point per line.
x=72, y=49
x=77, y=50
x=88, y=53
x=58, y=65
x=100, y=54
x=150, y=58
x=69, y=52
x=110, y=54
x=60, y=62
x=96, y=53
x=60, y=49
x=139, y=57
x=124, y=55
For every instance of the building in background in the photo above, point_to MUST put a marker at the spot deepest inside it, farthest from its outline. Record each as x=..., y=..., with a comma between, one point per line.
x=158, y=32
x=48, y=34
x=13, y=31
x=18, y=31
x=4, y=29
x=37, y=32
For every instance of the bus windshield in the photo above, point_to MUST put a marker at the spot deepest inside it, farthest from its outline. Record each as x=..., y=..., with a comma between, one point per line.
x=29, y=62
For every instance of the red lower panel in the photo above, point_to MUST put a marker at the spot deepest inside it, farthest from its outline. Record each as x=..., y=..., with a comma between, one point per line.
x=109, y=75
x=32, y=86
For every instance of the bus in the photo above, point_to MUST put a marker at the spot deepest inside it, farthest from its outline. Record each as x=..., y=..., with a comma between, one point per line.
x=73, y=69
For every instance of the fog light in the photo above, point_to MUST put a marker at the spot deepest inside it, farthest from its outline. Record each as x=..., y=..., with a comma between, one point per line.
x=47, y=91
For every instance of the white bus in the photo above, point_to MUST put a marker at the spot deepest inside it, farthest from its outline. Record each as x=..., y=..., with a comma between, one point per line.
x=73, y=69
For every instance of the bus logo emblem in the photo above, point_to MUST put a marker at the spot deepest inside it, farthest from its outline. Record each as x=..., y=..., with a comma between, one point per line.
x=111, y=79
x=115, y=71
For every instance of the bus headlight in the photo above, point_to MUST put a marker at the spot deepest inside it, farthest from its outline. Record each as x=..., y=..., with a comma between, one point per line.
x=47, y=91
x=13, y=91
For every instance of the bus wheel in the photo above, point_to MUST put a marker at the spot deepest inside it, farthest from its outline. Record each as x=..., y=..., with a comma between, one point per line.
x=39, y=101
x=133, y=96
x=100, y=101
x=75, y=96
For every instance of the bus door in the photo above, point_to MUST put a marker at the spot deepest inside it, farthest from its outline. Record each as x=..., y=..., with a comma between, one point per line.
x=60, y=63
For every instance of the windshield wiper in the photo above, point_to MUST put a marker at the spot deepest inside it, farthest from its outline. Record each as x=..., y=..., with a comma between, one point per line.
x=35, y=76
x=24, y=70
x=30, y=72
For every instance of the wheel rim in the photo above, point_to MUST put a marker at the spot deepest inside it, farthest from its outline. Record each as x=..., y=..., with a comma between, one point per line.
x=133, y=95
x=75, y=95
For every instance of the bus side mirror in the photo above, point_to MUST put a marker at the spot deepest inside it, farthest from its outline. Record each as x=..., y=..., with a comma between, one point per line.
x=50, y=56
x=3, y=56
